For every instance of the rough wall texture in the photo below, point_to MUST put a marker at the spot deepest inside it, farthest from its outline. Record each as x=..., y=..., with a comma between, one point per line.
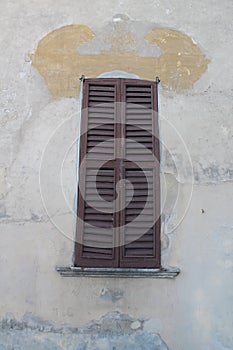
x=114, y=331
x=39, y=123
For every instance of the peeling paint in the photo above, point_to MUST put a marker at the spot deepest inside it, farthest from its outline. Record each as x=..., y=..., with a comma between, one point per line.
x=182, y=62
x=2, y=210
x=112, y=331
x=4, y=186
x=59, y=61
x=113, y=295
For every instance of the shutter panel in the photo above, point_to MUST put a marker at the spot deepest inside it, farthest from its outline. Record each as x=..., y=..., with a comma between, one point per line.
x=96, y=206
x=140, y=236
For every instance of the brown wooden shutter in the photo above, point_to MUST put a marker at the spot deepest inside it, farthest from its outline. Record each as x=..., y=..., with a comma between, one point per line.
x=140, y=235
x=128, y=237
x=96, y=207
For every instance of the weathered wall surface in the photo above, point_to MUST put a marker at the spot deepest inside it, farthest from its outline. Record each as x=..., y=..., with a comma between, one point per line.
x=44, y=49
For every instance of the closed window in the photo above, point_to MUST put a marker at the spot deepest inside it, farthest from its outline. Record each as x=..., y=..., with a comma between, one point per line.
x=118, y=218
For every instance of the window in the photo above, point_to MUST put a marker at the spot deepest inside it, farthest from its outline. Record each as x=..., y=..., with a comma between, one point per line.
x=118, y=221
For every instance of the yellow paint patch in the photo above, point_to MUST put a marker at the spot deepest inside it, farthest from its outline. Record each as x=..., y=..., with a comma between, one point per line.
x=57, y=59
x=59, y=62
x=182, y=62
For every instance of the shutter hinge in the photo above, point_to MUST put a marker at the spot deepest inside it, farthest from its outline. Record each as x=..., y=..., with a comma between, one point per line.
x=82, y=78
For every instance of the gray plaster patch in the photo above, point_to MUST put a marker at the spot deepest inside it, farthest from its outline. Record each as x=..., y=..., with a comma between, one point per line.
x=24, y=340
x=152, y=326
x=112, y=295
x=104, y=38
x=2, y=210
x=112, y=331
x=3, y=183
x=111, y=323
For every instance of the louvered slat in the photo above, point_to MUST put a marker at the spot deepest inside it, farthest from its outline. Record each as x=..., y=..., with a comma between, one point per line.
x=101, y=116
x=139, y=218
x=138, y=113
x=99, y=224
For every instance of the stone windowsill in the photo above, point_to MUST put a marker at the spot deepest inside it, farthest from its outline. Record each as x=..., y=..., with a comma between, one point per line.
x=72, y=271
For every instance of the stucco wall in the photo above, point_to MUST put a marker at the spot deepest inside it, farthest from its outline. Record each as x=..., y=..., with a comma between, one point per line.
x=39, y=127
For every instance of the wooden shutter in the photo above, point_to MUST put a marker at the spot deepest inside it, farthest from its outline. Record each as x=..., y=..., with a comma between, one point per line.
x=140, y=234
x=119, y=142
x=96, y=233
